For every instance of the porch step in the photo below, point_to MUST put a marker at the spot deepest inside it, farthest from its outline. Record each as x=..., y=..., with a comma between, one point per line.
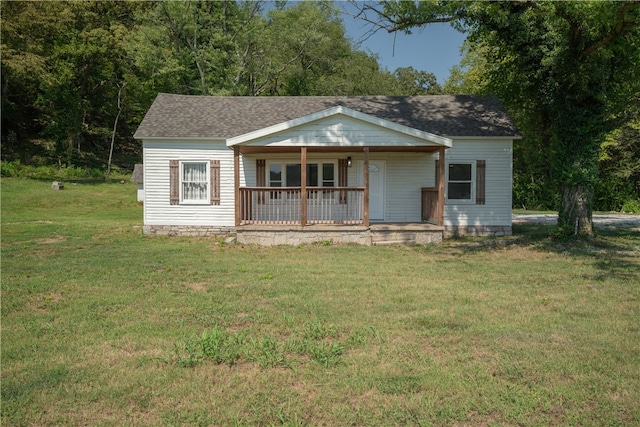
x=393, y=242
x=405, y=237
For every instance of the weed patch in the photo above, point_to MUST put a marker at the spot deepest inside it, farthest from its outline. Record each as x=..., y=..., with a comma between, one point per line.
x=219, y=346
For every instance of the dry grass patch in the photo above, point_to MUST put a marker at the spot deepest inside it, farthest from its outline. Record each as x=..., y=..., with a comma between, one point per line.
x=198, y=286
x=50, y=240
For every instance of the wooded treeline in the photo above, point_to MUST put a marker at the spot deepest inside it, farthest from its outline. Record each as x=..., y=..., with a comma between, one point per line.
x=64, y=65
x=78, y=77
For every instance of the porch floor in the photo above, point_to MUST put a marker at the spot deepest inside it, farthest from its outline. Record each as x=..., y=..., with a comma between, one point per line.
x=378, y=233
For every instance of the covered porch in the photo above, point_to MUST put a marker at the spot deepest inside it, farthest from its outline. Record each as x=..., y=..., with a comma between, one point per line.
x=331, y=204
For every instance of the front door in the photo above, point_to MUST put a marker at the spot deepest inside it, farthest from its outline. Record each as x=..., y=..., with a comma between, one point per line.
x=376, y=189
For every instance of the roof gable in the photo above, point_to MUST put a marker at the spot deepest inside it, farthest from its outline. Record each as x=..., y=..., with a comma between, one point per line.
x=347, y=127
x=223, y=117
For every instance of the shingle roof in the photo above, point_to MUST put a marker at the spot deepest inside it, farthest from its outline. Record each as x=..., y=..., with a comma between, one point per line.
x=188, y=116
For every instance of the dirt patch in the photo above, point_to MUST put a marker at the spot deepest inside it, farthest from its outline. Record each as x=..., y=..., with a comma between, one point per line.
x=42, y=303
x=28, y=222
x=51, y=240
x=198, y=286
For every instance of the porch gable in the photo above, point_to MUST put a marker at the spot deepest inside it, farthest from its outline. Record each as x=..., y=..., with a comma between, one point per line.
x=339, y=127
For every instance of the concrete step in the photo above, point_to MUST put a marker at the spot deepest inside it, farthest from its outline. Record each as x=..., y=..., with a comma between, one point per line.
x=405, y=237
x=393, y=242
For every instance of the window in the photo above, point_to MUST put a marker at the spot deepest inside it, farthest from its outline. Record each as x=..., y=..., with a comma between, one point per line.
x=294, y=175
x=194, y=182
x=328, y=175
x=466, y=181
x=459, y=181
x=290, y=174
x=275, y=175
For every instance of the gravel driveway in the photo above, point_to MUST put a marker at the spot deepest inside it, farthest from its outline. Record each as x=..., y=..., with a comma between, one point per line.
x=602, y=220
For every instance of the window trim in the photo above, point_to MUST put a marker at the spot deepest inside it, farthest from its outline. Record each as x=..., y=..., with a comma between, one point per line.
x=207, y=181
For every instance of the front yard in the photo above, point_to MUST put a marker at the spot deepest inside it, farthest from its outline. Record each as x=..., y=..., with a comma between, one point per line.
x=102, y=325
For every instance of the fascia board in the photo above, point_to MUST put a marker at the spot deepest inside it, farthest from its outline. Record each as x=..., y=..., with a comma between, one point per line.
x=181, y=138
x=485, y=138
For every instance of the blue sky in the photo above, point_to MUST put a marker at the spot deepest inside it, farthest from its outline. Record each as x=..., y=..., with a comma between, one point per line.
x=435, y=48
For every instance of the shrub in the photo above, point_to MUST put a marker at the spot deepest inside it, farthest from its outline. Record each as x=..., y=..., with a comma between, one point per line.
x=631, y=206
x=15, y=169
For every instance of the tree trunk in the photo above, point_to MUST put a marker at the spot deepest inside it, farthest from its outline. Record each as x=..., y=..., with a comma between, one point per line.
x=115, y=127
x=575, y=217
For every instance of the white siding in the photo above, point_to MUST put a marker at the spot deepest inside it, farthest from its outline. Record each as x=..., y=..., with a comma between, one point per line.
x=498, y=183
x=406, y=174
x=340, y=131
x=158, y=211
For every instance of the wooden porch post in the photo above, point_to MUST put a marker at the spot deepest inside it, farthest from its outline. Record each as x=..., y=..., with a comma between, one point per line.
x=303, y=185
x=236, y=182
x=365, y=214
x=441, y=187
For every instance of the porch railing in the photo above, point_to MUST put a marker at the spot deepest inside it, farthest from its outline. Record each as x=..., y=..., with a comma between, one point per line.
x=283, y=205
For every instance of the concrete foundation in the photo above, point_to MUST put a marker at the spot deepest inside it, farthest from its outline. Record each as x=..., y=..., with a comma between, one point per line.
x=475, y=230
x=376, y=234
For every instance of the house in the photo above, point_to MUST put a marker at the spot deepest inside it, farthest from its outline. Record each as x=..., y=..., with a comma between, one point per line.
x=365, y=169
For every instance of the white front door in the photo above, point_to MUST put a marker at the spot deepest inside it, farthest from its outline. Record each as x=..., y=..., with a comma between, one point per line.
x=376, y=189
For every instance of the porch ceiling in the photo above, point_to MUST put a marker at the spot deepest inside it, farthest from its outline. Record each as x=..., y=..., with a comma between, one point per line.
x=244, y=149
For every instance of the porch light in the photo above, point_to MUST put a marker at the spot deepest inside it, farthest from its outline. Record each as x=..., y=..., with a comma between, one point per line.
x=349, y=161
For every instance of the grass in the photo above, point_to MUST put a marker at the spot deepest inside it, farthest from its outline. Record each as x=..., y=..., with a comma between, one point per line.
x=102, y=325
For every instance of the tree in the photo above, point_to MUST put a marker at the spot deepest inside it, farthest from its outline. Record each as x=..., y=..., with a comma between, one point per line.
x=61, y=65
x=194, y=47
x=28, y=39
x=303, y=50
x=78, y=77
x=414, y=82
x=300, y=44
x=619, y=167
x=564, y=68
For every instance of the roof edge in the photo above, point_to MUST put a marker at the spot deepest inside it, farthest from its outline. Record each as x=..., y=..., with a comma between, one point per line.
x=180, y=138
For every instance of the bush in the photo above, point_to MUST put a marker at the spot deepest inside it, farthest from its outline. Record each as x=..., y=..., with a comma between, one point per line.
x=631, y=206
x=10, y=169
x=15, y=169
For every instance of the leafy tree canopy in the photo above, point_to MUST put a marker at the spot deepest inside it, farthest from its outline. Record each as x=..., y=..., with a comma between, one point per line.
x=567, y=71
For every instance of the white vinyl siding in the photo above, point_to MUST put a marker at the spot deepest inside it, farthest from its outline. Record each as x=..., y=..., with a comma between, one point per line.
x=157, y=208
x=339, y=131
x=496, y=211
x=406, y=174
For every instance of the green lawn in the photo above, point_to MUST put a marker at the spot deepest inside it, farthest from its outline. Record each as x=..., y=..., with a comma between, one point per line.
x=102, y=325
